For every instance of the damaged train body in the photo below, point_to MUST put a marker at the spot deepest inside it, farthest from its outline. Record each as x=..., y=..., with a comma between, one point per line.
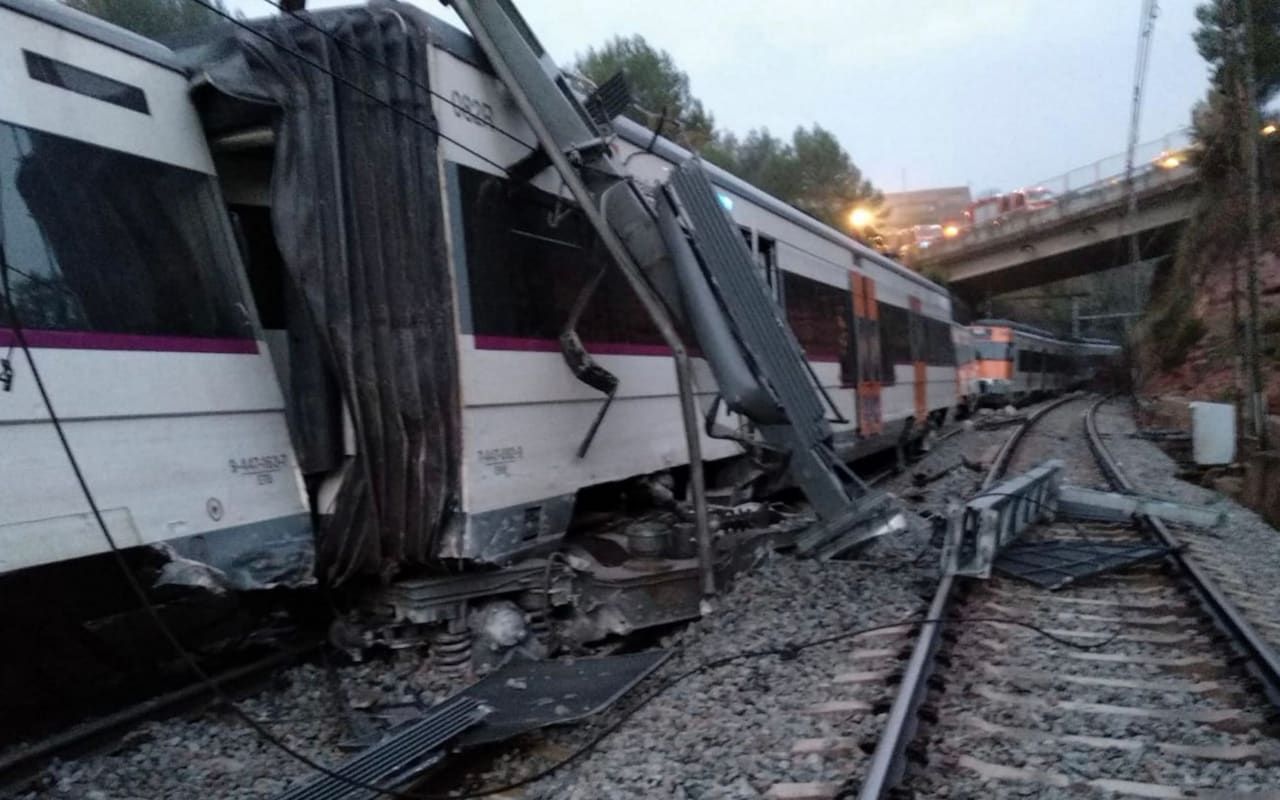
x=357, y=303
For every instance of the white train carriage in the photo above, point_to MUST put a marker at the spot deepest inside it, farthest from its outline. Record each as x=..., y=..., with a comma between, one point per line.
x=121, y=275
x=519, y=254
x=1018, y=362
x=405, y=293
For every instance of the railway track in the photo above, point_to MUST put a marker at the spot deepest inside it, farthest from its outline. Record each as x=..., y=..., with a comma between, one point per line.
x=1157, y=684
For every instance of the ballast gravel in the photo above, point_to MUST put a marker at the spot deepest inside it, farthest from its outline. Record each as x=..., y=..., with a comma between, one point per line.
x=1243, y=552
x=724, y=733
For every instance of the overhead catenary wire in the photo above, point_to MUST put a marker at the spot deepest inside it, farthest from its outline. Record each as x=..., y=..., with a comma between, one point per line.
x=305, y=18
x=350, y=84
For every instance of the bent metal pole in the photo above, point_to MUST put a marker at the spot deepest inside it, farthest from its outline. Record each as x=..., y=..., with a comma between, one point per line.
x=588, y=200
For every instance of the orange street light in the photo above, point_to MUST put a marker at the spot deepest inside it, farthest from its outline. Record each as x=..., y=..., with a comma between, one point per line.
x=860, y=218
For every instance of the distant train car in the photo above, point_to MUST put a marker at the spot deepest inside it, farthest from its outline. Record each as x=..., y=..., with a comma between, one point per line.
x=967, y=390
x=1017, y=362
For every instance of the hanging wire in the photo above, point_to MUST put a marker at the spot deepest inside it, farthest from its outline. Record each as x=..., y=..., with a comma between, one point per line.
x=305, y=19
x=348, y=83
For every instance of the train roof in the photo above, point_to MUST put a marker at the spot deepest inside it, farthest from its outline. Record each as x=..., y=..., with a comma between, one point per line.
x=91, y=27
x=1034, y=331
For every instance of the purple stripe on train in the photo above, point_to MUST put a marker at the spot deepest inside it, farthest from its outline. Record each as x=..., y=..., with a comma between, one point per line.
x=536, y=345
x=93, y=340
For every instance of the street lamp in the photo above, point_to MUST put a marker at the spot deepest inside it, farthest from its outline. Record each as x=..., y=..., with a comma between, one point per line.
x=1269, y=129
x=860, y=218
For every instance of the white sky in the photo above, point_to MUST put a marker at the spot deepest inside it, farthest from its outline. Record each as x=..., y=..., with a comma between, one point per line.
x=990, y=93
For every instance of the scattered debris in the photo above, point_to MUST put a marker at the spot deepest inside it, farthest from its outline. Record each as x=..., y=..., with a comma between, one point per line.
x=1091, y=504
x=1054, y=563
x=991, y=423
x=531, y=695
x=921, y=479
x=396, y=758
x=1162, y=435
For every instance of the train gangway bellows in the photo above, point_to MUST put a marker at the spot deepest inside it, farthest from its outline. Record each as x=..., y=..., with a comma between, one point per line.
x=700, y=266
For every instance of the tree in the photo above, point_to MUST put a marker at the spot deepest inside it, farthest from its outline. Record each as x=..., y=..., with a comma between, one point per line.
x=1220, y=118
x=1220, y=41
x=660, y=88
x=812, y=171
x=152, y=18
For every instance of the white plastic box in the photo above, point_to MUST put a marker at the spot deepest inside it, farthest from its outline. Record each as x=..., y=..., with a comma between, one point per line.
x=1213, y=433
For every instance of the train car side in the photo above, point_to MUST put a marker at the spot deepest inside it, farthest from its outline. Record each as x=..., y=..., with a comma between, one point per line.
x=123, y=275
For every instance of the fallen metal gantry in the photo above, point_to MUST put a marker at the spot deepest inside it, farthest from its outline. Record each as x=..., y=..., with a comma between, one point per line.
x=992, y=520
x=981, y=536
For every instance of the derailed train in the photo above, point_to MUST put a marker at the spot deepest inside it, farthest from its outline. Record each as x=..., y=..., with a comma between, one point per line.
x=1014, y=362
x=313, y=300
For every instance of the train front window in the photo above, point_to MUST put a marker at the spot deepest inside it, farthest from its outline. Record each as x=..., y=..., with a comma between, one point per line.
x=993, y=351
x=103, y=241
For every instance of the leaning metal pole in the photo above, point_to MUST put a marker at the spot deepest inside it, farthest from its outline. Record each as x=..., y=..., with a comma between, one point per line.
x=648, y=297
x=1257, y=399
x=1147, y=24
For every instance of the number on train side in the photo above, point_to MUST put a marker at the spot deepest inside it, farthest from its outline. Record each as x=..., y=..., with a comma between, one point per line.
x=472, y=110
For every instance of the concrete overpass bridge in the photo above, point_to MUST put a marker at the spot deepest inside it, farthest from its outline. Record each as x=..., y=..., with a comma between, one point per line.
x=1085, y=231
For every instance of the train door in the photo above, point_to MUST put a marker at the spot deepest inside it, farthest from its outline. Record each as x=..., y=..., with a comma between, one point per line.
x=866, y=350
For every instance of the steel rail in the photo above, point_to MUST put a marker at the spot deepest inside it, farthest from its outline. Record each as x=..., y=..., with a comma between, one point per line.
x=1261, y=658
x=888, y=762
x=22, y=762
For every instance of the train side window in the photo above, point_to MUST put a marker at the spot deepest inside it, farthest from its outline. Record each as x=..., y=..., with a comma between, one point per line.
x=815, y=311
x=895, y=339
x=527, y=261
x=767, y=258
x=105, y=241
x=940, y=350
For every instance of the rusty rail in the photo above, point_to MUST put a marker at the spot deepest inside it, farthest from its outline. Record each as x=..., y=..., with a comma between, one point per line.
x=888, y=763
x=1261, y=658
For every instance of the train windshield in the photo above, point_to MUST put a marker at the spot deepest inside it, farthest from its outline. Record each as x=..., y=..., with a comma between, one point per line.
x=102, y=241
x=994, y=351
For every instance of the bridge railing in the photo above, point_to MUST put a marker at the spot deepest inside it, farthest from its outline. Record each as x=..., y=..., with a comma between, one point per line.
x=1156, y=164
x=1109, y=171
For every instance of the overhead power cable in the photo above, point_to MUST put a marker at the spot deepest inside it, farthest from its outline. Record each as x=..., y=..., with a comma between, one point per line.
x=349, y=83
x=305, y=18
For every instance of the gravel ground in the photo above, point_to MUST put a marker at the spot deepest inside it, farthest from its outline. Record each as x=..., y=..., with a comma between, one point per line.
x=728, y=733
x=1060, y=434
x=1008, y=691
x=1243, y=552
x=306, y=706
x=722, y=734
